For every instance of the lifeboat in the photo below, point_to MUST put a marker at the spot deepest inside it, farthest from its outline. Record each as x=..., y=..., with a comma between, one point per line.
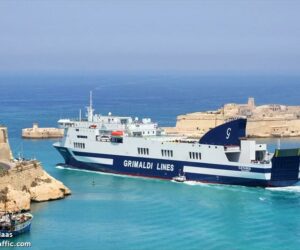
x=93, y=126
x=117, y=133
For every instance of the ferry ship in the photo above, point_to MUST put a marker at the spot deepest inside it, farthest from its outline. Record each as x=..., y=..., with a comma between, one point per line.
x=127, y=146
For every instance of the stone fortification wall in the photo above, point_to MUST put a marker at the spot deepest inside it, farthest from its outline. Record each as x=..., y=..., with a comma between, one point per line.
x=5, y=152
x=42, y=133
x=272, y=120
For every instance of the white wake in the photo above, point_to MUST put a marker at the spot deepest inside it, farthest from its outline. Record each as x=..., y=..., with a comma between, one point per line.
x=295, y=189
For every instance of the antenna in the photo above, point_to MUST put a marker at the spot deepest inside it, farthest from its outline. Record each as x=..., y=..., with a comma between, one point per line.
x=90, y=110
x=91, y=99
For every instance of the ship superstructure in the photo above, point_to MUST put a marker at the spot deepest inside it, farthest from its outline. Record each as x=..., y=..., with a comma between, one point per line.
x=127, y=146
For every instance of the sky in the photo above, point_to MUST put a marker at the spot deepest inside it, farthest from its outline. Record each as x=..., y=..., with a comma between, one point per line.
x=185, y=36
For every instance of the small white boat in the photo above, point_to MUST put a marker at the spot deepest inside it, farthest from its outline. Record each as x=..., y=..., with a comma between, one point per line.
x=179, y=178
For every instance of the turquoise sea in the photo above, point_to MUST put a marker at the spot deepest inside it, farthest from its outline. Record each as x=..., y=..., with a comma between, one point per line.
x=130, y=213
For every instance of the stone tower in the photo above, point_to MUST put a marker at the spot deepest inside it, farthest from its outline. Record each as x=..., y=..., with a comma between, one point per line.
x=251, y=103
x=5, y=152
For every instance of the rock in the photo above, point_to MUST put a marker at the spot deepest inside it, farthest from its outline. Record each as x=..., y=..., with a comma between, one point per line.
x=14, y=200
x=24, y=181
x=48, y=188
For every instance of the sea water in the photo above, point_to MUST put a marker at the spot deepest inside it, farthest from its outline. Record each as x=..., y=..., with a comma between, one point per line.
x=117, y=212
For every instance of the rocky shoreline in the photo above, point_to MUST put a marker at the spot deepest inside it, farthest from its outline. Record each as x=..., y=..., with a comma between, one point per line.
x=27, y=181
x=24, y=181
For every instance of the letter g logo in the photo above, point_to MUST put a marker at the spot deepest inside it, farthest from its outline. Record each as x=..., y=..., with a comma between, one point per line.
x=228, y=133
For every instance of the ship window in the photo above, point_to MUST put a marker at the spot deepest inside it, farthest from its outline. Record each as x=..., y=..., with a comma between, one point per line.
x=79, y=145
x=195, y=155
x=143, y=151
x=82, y=136
x=123, y=121
x=137, y=134
x=117, y=139
x=167, y=153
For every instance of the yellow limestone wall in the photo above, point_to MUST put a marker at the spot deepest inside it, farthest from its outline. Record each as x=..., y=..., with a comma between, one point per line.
x=5, y=152
x=263, y=121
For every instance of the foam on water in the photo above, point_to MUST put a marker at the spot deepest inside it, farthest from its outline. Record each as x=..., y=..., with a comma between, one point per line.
x=295, y=189
x=196, y=183
x=104, y=173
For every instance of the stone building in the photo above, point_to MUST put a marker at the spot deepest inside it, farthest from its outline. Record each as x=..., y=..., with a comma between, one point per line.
x=272, y=120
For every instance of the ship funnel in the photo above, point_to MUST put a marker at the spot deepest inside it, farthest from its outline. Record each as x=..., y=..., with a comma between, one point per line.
x=226, y=134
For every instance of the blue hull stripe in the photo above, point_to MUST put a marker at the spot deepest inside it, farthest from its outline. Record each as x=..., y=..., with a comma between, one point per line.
x=196, y=164
x=118, y=167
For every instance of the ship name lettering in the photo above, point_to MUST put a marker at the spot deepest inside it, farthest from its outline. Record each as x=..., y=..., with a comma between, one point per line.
x=138, y=164
x=165, y=167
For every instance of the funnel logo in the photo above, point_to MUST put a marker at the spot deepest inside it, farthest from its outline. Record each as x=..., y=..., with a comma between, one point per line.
x=228, y=133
